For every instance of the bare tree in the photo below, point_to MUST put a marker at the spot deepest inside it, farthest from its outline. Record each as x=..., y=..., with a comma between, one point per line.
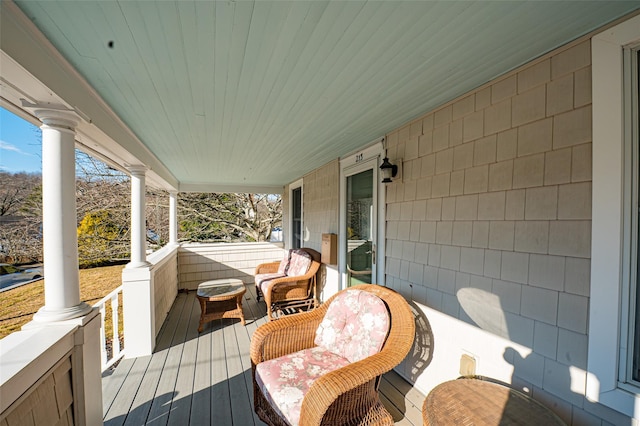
x=229, y=217
x=103, y=202
x=102, y=206
x=20, y=217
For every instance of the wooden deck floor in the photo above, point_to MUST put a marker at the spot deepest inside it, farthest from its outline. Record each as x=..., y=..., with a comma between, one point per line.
x=205, y=379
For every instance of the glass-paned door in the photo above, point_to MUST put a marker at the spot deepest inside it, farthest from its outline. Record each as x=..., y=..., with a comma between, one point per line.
x=361, y=227
x=635, y=142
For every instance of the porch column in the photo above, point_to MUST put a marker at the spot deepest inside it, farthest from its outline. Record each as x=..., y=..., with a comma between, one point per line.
x=138, y=220
x=173, y=217
x=60, y=240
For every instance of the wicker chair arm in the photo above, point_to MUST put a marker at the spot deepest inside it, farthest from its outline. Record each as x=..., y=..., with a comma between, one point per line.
x=313, y=270
x=329, y=388
x=285, y=336
x=267, y=268
x=288, y=280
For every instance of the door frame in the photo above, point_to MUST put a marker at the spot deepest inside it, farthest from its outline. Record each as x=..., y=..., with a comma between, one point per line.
x=367, y=158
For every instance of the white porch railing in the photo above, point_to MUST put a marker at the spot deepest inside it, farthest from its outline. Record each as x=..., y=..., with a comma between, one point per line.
x=109, y=358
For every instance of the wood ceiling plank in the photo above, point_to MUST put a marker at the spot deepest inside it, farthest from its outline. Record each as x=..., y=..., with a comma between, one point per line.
x=228, y=91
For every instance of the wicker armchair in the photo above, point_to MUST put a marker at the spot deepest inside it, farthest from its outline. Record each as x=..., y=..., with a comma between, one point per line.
x=288, y=291
x=347, y=395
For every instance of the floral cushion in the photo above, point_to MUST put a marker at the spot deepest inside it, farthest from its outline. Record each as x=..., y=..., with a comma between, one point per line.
x=284, y=263
x=355, y=326
x=285, y=381
x=263, y=280
x=299, y=264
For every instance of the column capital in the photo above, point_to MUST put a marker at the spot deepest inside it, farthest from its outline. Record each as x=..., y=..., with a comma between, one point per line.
x=137, y=170
x=61, y=119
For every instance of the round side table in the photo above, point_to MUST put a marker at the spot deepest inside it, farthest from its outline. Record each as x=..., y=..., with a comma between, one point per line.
x=477, y=402
x=220, y=299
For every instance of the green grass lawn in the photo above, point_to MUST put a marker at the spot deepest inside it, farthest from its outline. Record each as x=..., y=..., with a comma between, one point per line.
x=18, y=305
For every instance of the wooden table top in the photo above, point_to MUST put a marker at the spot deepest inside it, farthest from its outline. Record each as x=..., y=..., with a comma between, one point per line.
x=482, y=403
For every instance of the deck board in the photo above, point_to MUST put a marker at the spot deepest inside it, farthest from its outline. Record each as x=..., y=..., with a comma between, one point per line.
x=165, y=392
x=123, y=399
x=201, y=403
x=147, y=389
x=181, y=404
x=220, y=396
x=205, y=378
x=112, y=386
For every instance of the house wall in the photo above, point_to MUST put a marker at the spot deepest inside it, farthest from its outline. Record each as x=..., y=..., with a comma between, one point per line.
x=320, y=215
x=320, y=204
x=489, y=232
x=320, y=190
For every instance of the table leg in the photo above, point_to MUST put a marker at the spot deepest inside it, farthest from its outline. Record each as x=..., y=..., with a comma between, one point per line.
x=203, y=310
x=239, y=305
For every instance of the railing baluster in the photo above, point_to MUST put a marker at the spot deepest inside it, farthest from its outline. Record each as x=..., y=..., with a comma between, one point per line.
x=116, y=351
x=116, y=332
x=103, y=337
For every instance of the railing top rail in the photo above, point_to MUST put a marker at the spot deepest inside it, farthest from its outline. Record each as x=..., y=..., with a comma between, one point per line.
x=107, y=297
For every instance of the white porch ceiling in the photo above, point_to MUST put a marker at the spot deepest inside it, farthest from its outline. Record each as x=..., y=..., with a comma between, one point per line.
x=258, y=93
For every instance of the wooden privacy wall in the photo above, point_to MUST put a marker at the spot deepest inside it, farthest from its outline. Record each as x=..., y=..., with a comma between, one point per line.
x=165, y=282
x=48, y=402
x=204, y=262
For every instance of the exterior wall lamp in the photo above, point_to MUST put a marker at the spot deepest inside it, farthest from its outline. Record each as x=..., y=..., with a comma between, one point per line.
x=388, y=170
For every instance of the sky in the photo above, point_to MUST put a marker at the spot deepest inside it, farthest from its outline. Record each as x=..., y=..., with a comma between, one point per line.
x=20, y=144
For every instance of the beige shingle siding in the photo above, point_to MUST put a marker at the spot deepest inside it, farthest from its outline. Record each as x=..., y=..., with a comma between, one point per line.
x=499, y=188
x=49, y=401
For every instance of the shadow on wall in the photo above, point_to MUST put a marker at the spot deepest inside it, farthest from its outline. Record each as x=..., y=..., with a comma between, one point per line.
x=421, y=352
x=554, y=374
x=417, y=360
x=559, y=381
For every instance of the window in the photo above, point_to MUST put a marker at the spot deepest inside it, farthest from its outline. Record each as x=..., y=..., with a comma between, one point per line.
x=297, y=232
x=614, y=342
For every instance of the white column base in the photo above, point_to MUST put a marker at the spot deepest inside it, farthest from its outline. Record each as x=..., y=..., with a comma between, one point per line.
x=139, y=312
x=47, y=315
x=143, y=264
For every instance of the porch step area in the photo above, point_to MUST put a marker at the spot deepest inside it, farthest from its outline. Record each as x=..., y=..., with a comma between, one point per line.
x=205, y=378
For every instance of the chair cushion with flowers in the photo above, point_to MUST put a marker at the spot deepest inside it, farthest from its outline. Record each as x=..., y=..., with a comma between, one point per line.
x=284, y=263
x=284, y=381
x=298, y=263
x=266, y=278
x=283, y=267
x=355, y=325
